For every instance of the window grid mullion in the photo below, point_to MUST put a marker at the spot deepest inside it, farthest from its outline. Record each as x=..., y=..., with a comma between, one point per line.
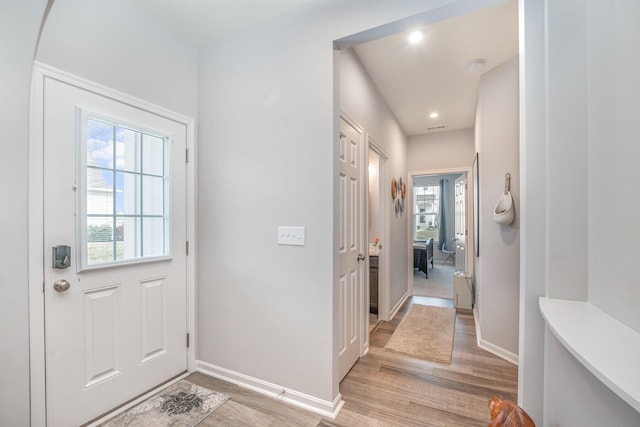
x=113, y=202
x=141, y=197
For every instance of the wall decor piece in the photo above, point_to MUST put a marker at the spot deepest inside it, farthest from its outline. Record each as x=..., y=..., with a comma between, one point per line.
x=394, y=189
x=476, y=202
x=403, y=191
x=503, y=212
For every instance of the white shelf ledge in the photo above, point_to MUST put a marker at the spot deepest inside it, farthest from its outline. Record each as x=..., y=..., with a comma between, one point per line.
x=609, y=349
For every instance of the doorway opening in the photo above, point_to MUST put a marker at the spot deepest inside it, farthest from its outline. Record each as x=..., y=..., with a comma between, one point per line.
x=439, y=227
x=376, y=235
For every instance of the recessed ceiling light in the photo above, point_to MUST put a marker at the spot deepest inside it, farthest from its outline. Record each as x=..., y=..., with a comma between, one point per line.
x=434, y=115
x=416, y=36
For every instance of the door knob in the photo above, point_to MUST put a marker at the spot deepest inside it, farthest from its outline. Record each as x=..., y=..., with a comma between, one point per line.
x=61, y=285
x=360, y=257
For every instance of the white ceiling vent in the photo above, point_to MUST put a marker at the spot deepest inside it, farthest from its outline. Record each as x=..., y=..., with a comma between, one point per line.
x=436, y=127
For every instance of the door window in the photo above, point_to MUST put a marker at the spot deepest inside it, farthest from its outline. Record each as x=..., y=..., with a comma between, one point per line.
x=124, y=193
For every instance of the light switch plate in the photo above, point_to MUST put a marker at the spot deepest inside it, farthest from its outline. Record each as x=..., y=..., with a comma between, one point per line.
x=291, y=236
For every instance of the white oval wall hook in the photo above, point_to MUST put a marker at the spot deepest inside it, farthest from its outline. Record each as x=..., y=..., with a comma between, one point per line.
x=503, y=211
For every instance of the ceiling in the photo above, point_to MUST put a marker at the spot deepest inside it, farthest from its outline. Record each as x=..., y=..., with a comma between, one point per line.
x=432, y=75
x=414, y=79
x=204, y=21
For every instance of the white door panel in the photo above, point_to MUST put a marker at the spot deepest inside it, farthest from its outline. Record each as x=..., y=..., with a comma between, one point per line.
x=461, y=222
x=119, y=330
x=350, y=245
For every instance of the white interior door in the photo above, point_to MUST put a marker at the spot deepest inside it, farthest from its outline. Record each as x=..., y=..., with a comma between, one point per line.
x=461, y=222
x=114, y=192
x=350, y=157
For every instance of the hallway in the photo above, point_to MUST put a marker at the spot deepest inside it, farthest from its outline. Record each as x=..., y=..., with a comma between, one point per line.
x=392, y=389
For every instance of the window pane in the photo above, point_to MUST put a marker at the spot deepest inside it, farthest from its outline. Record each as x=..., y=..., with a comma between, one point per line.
x=99, y=191
x=127, y=193
x=426, y=201
x=99, y=240
x=153, y=235
x=127, y=150
x=152, y=155
x=99, y=144
x=128, y=241
x=153, y=195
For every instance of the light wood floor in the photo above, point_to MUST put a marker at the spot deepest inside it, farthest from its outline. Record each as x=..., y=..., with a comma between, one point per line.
x=389, y=389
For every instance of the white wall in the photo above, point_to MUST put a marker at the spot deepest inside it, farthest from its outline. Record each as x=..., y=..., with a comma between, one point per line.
x=113, y=44
x=441, y=150
x=613, y=194
x=267, y=114
x=360, y=99
x=19, y=25
x=444, y=150
x=592, y=191
x=375, y=220
x=498, y=266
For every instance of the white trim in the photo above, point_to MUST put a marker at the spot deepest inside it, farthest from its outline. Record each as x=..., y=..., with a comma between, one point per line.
x=384, y=265
x=490, y=347
x=302, y=400
x=36, y=251
x=36, y=215
x=396, y=308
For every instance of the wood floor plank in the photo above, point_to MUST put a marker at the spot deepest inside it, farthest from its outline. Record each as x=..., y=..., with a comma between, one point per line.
x=386, y=389
x=431, y=393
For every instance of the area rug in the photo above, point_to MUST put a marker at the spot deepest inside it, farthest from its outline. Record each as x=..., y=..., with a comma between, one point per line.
x=182, y=404
x=426, y=333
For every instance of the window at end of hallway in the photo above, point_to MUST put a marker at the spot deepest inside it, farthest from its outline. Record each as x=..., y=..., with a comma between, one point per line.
x=426, y=209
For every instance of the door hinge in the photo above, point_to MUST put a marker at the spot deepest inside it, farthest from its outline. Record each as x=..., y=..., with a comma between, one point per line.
x=187, y=156
x=465, y=186
x=43, y=287
x=187, y=247
x=187, y=340
x=466, y=232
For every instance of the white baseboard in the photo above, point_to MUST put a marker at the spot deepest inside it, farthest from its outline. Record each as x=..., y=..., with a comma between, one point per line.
x=490, y=347
x=395, y=309
x=302, y=400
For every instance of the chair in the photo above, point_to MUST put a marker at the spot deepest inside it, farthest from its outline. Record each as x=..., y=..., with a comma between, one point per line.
x=422, y=255
x=451, y=254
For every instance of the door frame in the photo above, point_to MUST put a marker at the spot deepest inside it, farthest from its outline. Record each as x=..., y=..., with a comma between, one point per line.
x=384, y=308
x=468, y=209
x=36, y=283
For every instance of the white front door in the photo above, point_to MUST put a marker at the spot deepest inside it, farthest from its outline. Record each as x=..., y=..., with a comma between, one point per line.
x=461, y=222
x=351, y=252
x=114, y=193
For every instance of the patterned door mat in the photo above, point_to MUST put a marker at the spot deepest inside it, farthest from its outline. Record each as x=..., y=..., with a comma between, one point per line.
x=182, y=404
